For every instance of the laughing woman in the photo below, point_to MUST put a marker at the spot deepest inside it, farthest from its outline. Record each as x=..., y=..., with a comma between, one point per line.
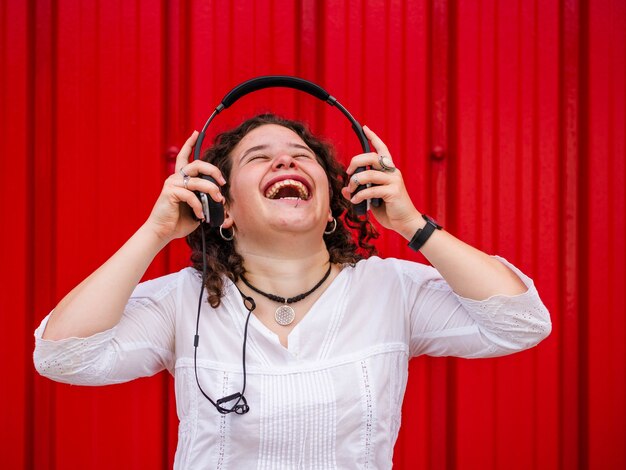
x=304, y=332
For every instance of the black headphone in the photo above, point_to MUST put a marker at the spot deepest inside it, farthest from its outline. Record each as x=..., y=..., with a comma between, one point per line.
x=214, y=211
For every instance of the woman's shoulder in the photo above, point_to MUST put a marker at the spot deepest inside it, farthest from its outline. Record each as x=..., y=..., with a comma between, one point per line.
x=167, y=282
x=385, y=268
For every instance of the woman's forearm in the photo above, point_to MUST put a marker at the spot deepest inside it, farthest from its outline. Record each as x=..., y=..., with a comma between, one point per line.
x=97, y=303
x=470, y=272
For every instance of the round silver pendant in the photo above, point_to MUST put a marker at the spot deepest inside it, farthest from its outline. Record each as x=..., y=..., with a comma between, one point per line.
x=284, y=315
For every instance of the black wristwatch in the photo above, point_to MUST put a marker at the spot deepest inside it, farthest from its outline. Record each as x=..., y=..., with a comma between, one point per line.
x=423, y=234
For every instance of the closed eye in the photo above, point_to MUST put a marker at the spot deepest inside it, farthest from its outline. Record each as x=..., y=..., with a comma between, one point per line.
x=257, y=157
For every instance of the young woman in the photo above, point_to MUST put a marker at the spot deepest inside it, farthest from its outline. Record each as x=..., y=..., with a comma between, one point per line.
x=332, y=328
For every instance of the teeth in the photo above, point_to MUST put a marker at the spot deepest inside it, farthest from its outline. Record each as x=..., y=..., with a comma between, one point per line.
x=273, y=190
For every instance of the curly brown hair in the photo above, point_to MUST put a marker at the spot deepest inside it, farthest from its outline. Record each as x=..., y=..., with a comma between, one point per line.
x=221, y=257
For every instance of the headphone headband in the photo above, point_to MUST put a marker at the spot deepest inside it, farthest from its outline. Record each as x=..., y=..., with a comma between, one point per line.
x=286, y=81
x=276, y=81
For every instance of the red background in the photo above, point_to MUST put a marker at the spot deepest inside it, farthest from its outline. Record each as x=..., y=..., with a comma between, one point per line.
x=507, y=118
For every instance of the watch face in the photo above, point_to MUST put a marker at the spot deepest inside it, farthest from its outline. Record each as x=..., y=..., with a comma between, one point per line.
x=433, y=221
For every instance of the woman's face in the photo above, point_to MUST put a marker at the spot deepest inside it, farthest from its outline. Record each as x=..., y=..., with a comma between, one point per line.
x=276, y=184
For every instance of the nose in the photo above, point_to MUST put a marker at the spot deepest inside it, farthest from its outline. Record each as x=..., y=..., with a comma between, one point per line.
x=284, y=161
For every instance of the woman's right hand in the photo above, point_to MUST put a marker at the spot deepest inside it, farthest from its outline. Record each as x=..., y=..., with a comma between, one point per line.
x=172, y=214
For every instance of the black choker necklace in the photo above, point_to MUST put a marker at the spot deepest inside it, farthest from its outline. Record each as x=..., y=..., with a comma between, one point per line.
x=285, y=314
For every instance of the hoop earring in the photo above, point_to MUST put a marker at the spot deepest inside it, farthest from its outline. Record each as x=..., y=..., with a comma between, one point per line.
x=328, y=232
x=225, y=237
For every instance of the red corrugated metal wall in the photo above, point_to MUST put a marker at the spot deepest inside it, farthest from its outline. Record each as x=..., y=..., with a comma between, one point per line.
x=507, y=117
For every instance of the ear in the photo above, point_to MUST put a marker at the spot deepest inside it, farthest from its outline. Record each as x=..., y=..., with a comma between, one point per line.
x=228, y=220
x=330, y=215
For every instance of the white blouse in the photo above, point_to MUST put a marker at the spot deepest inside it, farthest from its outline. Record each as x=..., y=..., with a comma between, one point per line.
x=332, y=399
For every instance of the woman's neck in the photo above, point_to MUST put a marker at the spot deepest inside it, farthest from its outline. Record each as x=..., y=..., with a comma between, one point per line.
x=284, y=272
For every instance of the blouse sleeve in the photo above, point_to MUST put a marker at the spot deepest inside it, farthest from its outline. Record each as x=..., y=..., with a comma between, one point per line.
x=140, y=345
x=445, y=324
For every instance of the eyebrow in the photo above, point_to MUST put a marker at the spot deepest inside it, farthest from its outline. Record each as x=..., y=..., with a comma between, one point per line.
x=265, y=146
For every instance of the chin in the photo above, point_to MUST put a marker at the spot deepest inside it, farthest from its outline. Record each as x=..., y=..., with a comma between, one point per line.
x=293, y=223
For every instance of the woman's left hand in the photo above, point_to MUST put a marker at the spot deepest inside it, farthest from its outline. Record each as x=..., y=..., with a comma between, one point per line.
x=397, y=211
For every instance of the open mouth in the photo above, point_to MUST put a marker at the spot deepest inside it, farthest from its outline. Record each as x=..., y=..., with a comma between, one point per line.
x=289, y=189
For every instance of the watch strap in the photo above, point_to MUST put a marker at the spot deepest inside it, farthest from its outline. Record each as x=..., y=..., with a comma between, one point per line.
x=423, y=234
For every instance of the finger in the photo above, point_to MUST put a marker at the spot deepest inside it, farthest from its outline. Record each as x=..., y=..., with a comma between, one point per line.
x=200, y=167
x=196, y=184
x=364, y=159
x=384, y=192
x=204, y=186
x=376, y=141
x=370, y=159
x=182, y=195
x=369, y=176
x=345, y=192
x=182, y=158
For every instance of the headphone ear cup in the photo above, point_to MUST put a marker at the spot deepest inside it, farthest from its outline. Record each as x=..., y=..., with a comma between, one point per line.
x=216, y=213
x=213, y=210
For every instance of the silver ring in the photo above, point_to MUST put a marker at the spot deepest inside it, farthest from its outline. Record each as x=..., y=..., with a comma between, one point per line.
x=356, y=182
x=388, y=166
x=182, y=172
x=186, y=179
